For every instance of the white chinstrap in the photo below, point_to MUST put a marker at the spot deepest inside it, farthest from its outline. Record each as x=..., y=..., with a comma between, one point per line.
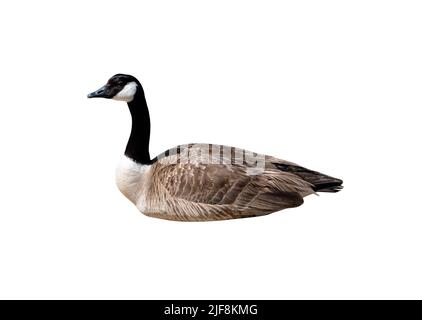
x=127, y=93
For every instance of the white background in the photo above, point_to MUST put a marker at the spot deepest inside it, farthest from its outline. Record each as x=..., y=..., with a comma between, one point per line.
x=332, y=85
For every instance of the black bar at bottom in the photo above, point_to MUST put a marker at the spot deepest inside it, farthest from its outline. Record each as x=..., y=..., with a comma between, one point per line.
x=203, y=309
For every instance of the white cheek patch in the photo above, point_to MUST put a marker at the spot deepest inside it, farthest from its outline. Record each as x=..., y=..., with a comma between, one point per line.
x=127, y=93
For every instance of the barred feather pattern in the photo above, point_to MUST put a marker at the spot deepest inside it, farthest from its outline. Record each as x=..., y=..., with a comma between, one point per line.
x=182, y=186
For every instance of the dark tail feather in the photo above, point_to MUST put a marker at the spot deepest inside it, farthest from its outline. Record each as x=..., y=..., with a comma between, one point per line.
x=334, y=186
x=321, y=182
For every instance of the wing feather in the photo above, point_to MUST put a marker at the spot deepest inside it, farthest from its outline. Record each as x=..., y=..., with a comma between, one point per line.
x=194, y=190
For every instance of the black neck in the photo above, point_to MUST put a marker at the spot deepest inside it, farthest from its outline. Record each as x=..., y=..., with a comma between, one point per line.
x=137, y=147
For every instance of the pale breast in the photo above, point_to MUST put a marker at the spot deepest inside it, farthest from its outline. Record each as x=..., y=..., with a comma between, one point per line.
x=132, y=179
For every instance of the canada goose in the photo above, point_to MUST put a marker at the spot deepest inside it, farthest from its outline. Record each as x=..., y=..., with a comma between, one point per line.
x=203, y=182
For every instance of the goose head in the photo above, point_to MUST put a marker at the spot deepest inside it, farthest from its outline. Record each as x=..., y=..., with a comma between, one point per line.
x=121, y=87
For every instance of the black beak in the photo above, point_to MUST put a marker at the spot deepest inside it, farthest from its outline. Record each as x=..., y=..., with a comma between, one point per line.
x=103, y=92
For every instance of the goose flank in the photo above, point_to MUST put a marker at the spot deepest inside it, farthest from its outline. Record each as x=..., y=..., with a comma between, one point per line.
x=203, y=182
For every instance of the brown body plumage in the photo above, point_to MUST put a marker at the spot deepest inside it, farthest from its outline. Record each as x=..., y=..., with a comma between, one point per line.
x=184, y=185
